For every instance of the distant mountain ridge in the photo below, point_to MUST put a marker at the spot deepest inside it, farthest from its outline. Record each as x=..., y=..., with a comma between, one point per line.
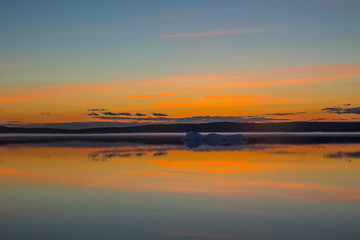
x=204, y=127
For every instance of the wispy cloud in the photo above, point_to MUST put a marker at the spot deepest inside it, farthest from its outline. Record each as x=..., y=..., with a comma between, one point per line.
x=219, y=100
x=152, y=173
x=150, y=96
x=227, y=96
x=191, y=84
x=111, y=87
x=220, y=32
x=14, y=98
x=299, y=80
x=323, y=69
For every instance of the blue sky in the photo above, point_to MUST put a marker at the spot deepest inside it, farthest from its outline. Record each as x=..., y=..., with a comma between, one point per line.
x=57, y=43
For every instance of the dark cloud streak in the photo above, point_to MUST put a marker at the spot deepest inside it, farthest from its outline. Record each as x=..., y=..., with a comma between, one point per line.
x=195, y=119
x=160, y=114
x=344, y=109
x=282, y=114
x=133, y=118
x=116, y=114
x=97, y=110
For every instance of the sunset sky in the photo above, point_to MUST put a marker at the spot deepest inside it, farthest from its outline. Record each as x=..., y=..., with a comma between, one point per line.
x=127, y=62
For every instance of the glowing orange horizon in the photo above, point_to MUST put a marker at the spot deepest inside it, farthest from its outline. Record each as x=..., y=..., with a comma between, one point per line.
x=228, y=94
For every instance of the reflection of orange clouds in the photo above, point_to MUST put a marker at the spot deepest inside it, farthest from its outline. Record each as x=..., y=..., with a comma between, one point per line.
x=43, y=179
x=13, y=172
x=251, y=171
x=219, y=166
x=39, y=178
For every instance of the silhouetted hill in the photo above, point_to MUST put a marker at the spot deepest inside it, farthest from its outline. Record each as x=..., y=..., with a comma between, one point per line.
x=33, y=130
x=206, y=127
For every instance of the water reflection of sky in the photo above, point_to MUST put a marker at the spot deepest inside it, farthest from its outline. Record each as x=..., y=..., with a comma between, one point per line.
x=138, y=191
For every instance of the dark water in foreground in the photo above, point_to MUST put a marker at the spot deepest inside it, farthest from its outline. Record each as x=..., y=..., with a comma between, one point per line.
x=77, y=190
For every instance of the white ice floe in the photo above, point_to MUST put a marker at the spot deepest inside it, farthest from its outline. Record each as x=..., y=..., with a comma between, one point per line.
x=195, y=139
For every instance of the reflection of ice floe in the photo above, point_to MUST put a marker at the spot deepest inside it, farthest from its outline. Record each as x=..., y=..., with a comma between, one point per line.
x=195, y=139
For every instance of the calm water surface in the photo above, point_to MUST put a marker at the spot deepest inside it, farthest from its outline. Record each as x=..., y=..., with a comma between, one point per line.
x=82, y=190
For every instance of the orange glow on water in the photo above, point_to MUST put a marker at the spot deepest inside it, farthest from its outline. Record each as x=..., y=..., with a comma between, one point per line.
x=277, y=171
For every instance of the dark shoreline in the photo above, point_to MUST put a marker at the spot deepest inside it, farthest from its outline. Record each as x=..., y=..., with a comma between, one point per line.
x=203, y=127
x=177, y=140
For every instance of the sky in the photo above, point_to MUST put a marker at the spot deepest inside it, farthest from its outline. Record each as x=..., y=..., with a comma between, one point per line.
x=118, y=63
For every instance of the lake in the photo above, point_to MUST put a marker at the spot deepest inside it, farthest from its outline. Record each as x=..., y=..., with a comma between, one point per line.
x=105, y=190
